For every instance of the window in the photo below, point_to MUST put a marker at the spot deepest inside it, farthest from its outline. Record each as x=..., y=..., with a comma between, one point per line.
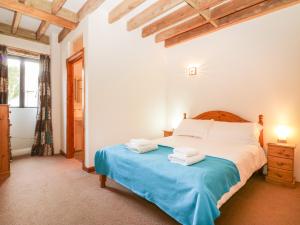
x=23, y=74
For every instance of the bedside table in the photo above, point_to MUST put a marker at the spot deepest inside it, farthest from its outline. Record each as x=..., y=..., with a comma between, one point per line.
x=168, y=133
x=281, y=164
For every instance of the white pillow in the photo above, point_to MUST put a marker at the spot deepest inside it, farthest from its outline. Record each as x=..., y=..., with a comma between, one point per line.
x=242, y=133
x=193, y=128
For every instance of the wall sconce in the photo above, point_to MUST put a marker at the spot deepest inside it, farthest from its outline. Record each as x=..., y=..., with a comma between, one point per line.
x=282, y=133
x=192, y=70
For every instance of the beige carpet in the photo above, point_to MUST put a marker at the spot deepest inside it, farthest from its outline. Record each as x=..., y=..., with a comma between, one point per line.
x=55, y=191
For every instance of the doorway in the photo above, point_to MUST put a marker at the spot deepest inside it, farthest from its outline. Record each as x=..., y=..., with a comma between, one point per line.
x=76, y=107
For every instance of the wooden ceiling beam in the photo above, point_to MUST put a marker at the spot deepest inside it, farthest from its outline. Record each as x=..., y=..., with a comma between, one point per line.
x=203, y=4
x=179, y=15
x=87, y=8
x=210, y=15
x=156, y=9
x=122, y=9
x=173, y=18
x=200, y=6
x=16, y=22
x=56, y=6
x=5, y=29
x=204, y=17
x=180, y=28
x=47, y=6
x=246, y=14
x=231, y=7
x=36, y=13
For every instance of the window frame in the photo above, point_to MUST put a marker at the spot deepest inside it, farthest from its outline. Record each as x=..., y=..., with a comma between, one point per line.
x=22, y=80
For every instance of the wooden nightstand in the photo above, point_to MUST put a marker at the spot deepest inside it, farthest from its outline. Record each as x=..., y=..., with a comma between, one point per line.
x=281, y=164
x=168, y=133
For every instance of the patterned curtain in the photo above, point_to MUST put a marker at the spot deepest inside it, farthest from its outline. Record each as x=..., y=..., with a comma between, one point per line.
x=43, y=143
x=3, y=75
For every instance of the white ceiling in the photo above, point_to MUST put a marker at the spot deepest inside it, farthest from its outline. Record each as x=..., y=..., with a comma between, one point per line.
x=29, y=23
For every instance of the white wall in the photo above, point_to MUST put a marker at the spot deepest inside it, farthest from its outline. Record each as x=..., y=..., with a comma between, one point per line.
x=125, y=84
x=250, y=69
x=22, y=129
x=24, y=44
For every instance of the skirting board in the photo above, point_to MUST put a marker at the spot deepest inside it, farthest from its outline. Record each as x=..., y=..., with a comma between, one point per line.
x=20, y=152
x=87, y=169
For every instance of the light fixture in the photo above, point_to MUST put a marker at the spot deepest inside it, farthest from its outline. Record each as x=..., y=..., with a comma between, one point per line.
x=282, y=133
x=192, y=70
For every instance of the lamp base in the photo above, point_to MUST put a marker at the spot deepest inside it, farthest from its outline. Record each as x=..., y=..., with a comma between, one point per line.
x=281, y=141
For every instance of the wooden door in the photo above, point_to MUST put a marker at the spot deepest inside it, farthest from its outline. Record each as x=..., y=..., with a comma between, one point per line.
x=71, y=96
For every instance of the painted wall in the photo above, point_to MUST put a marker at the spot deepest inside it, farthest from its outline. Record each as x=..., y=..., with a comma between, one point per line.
x=250, y=69
x=125, y=83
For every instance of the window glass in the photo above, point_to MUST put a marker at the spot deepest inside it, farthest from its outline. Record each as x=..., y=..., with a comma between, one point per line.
x=31, y=83
x=13, y=82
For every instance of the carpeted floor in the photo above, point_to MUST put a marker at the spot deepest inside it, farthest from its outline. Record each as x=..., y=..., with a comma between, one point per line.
x=55, y=191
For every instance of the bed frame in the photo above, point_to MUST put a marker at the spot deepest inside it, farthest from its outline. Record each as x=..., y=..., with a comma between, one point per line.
x=218, y=116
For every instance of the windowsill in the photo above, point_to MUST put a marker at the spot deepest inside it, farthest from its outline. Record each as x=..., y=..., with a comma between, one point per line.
x=16, y=107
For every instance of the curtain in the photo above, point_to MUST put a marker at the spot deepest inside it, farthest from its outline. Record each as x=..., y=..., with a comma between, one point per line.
x=3, y=75
x=43, y=143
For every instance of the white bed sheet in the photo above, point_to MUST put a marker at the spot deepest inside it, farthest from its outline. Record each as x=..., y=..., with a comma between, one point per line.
x=247, y=158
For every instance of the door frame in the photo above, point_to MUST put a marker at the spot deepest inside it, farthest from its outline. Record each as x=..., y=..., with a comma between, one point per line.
x=70, y=104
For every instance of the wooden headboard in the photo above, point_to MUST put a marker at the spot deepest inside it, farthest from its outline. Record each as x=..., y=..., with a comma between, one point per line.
x=229, y=117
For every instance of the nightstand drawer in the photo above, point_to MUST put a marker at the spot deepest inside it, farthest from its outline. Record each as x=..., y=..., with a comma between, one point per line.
x=280, y=163
x=281, y=152
x=280, y=175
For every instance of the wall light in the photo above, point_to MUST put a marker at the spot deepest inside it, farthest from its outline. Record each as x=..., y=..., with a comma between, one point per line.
x=282, y=133
x=192, y=70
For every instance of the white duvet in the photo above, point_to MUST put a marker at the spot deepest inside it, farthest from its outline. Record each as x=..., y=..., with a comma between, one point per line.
x=247, y=158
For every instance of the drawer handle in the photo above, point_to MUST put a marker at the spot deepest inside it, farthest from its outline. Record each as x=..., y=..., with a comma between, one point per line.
x=278, y=175
x=280, y=163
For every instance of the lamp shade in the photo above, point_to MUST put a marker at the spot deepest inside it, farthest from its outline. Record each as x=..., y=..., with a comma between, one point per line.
x=282, y=133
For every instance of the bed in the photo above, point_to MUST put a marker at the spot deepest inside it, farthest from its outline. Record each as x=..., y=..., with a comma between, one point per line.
x=192, y=195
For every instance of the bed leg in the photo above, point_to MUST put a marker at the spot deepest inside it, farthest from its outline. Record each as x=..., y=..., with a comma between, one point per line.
x=102, y=179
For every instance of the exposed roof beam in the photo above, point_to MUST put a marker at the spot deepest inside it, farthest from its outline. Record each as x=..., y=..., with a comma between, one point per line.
x=47, y=6
x=16, y=20
x=179, y=15
x=203, y=4
x=200, y=5
x=176, y=16
x=122, y=9
x=206, y=15
x=37, y=13
x=63, y=34
x=22, y=33
x=215, y=13
x=151, y=12
x=56, y=6
x=87, y=8
x=251, y=12
x=180, y=28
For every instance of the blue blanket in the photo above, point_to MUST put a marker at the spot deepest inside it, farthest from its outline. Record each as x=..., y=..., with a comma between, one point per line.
x=189, y=194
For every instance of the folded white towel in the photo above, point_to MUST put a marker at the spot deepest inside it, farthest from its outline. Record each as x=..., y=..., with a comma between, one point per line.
x=186, y=151
x=141, y=149
x=140, y=142
x=184, y=160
